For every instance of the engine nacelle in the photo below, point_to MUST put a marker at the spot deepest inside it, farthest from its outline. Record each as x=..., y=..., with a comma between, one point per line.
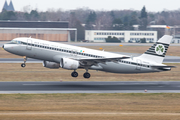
x=69, y=64
x=51, y=65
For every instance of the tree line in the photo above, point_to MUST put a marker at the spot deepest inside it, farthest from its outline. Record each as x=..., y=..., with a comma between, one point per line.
x=87, y=19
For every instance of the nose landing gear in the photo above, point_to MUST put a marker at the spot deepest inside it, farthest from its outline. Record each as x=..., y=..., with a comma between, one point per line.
x=24, y=64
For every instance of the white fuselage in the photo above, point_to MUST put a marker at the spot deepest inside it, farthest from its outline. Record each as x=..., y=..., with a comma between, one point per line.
x=52, y=51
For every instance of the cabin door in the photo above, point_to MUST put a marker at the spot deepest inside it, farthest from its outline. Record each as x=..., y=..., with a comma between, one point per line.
x=29, y=44
x=74, y=53
x=139, y=64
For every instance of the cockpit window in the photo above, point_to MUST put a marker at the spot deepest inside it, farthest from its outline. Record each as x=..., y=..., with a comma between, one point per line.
x=15, y=42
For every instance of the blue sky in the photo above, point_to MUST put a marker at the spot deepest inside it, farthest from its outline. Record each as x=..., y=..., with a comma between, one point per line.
x=43, y=5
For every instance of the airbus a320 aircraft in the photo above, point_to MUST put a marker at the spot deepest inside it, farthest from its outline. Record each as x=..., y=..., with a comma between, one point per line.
x=56, y=55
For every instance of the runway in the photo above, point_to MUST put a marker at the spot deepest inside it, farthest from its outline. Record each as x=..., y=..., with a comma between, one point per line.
x=89, y=87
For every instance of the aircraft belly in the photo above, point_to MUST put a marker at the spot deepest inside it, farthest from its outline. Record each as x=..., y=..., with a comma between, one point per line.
x=124, y=68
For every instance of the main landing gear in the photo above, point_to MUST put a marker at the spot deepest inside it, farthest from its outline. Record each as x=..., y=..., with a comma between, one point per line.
x=85, y=75
x=74, y=74
x=24, y=64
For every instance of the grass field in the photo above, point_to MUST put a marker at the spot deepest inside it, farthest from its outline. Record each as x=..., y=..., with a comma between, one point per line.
x=90, y=106
x=172, y=51
x=36, y=72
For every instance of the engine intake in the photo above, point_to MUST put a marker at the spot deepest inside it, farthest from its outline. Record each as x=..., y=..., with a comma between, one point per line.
x=51, y=65
x=69, y=64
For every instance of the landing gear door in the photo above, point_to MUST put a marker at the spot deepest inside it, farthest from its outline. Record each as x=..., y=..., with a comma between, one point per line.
x=29, y=44
x=139, y=64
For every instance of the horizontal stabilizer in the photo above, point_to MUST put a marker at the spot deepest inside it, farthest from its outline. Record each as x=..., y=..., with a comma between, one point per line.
x=162, y=67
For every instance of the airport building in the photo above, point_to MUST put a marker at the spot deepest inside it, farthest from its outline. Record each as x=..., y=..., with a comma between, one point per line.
x=124, y=36
x=51, y=31
x=47, y=30
x=176, y=39
x=164, y=29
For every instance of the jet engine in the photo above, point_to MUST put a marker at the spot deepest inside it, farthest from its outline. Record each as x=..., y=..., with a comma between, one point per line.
x=51, y=65
x=69, y=64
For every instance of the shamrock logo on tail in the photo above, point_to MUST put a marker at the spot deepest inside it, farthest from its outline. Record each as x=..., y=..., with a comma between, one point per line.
x=159, y=49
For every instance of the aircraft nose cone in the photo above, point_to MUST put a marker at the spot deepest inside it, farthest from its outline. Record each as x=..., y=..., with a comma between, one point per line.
x=3, y=47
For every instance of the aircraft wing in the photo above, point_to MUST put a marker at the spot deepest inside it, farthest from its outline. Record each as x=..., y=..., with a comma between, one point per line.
x=95, y=61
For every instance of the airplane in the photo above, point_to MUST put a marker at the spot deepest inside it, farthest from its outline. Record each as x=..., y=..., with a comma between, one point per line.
x=57, y=55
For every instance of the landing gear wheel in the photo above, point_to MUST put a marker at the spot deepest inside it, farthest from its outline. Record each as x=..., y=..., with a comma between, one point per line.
x=87, y=75
x=74, y=74
x=23, y=65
